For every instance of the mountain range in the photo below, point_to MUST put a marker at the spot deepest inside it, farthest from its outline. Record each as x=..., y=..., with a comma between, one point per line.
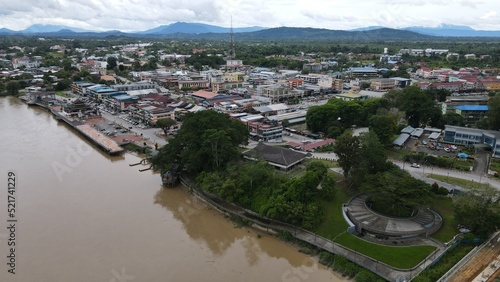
x=198, y=30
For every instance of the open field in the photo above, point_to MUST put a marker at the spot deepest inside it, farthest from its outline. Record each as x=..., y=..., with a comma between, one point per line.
x=444, y=206
x=459, y=182
x=400, y=257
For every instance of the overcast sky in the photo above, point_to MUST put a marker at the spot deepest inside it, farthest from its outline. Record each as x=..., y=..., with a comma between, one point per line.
x=135, y=15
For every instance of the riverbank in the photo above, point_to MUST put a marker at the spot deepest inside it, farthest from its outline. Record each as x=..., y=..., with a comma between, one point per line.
x=99, y=130
x=89, y=216
x=383, y=270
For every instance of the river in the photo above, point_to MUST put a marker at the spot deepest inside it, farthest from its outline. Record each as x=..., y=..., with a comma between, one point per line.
x=85, y=216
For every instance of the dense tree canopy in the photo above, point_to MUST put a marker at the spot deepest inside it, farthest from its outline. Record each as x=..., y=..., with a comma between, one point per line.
x=478, y=211
x=347, y=149
x=419, y=107
x=395, y=189
x=207, y=141
x=257, y=186
x=165, y=123
x=494, y=112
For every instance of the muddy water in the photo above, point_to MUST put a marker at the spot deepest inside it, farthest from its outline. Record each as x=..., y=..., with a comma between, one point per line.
x=85, y=216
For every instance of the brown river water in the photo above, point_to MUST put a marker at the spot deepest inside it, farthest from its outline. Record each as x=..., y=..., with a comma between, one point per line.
x=85, y=216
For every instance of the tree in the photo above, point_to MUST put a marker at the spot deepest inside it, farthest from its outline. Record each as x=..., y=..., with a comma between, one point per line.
x=374, y=156
x=318, y=167
x=419, y=107
x=207, y=141
x=347, y=149
x=396, y=190
x=62, y=85
x=112, y=63
x=451, y=119
x=384, y=126
x=13, y=88
x=494, y=112
x=478, y=210
x=165, y=123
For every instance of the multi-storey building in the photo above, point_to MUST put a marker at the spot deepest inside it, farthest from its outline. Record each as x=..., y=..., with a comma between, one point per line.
x=80, y=87
x=265, y=131
x=26, y=62
x=471, y=113
x=470, y=136
x=276, y=92
x=382, y=84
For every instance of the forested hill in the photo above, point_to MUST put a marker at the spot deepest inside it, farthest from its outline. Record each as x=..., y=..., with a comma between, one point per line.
x=280, y=33
x=317, y=33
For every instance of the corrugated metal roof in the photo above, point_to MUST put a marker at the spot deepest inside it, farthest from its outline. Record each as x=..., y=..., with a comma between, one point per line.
x=479, y=108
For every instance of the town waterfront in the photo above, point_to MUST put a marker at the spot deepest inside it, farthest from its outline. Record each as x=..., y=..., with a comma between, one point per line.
x=86, y=216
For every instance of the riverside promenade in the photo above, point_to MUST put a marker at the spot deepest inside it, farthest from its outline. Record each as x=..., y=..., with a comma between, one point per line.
x=107, y=144
x=383, y=270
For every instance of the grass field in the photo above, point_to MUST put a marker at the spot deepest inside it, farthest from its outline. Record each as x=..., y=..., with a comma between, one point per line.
x=444, y=206
x=459, y=182
x=400, y=257
x=334, y=223
x=62, y=94
x=495, y=165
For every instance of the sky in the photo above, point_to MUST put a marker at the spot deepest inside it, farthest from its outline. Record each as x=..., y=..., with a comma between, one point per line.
x=139, y=15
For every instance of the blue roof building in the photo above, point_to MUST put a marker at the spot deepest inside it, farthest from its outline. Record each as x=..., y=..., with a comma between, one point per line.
x=471, y=113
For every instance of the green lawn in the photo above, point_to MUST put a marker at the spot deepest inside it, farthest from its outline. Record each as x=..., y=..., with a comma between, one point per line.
x=459, y=182
x=444, y=206
x=495, y=165
x=334, y=223
x=400, y=257
x=328, y=163
x=397, y=154
x=296, y=172
x=62, y=94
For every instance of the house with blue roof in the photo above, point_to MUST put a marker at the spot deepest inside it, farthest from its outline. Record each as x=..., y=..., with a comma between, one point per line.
x=471, y=113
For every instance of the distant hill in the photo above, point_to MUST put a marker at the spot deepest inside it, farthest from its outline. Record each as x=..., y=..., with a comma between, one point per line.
x=195, y=28
x=280, y=33
x=453, y=31
x=6, y=31
x=317, y=33
x=201, y=31
x=45, y=28
x=368, y=28
x=205, y=31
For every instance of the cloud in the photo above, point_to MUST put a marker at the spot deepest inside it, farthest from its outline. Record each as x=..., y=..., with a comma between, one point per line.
x=489, y=15
x=132, y=15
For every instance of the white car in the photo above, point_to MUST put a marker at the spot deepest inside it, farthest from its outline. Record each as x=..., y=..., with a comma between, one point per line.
x=415, y=165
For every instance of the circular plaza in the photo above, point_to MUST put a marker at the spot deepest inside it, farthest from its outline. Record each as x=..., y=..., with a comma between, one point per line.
x=365, y=220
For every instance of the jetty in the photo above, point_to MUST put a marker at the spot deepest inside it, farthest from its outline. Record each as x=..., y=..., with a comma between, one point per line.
x=144, y=162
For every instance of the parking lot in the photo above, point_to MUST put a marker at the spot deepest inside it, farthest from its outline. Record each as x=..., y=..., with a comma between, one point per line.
x=112, y=129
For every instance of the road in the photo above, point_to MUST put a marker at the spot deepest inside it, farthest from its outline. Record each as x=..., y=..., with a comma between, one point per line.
x=425, y=170
x=419, y=173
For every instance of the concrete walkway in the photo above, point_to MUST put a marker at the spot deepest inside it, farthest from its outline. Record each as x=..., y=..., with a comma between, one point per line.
x=387, y=272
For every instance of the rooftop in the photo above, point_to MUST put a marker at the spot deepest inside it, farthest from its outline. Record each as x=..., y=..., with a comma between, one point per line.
x=276, y=155
x=479, y=108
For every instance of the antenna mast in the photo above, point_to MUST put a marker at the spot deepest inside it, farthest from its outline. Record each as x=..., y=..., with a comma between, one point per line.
x=232, y=54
